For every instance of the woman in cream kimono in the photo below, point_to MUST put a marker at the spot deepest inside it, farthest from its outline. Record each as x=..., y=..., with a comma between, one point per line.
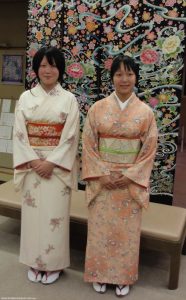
x=45, y=147
x=119, y=145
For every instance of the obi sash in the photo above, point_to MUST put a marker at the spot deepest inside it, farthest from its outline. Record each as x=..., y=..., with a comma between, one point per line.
x=44, y=134
x=118, y=149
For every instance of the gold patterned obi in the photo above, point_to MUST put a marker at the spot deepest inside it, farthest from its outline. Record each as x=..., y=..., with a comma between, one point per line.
x=44, y=134
x=118, y=149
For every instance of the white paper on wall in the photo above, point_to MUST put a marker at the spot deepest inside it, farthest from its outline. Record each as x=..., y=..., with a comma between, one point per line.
x=3, y=145
x=9, y=146
x=5, y=132
x=7, y=119
x=6, y=105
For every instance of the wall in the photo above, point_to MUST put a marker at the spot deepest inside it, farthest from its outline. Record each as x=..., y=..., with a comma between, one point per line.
x=13, y=38
x=13, y=23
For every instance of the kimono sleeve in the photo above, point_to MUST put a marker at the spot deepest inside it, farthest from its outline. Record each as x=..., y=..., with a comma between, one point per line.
x=64, y=154
x=22, y=151
x=92, y=164
x=140, y=172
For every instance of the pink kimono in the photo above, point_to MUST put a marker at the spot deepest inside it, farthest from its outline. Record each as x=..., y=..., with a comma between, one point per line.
x=116, y=140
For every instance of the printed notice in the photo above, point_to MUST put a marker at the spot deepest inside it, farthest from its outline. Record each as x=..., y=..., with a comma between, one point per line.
x=6, y=105
x=9, y=148
x=3, y=145
x=5, y=132
x=7, y=119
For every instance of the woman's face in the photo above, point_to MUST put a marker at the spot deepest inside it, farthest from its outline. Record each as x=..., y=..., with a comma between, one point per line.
x=124, y=81
x=48, y=74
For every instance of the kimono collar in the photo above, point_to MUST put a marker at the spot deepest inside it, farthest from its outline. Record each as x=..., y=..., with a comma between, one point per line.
x=124, y=104
x=56, y=91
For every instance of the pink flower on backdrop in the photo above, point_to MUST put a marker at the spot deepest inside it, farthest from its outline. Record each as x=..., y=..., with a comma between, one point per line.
x=81, y=8
x=134, y=2
x=32, y=52
x=157, y=18
x=107, y=29
x=70, y=13
x=90, y=19
x=66, y=39
x=87, y=107
x=181, y=26
x=126, y=38
x=75, y=70
x=108, y=63
x=52, y=24
x=153, y=101
x=149, y=56
x=32, y=74
x=170, y=2
x=120, y=15
x=34, y=12
x=75, y=51
x=41, y=20
x=151, y=36
x=91, y=45
x=170, y=23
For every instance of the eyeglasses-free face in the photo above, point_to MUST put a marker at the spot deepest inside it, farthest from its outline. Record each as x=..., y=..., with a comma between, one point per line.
x=48, y=74
x=124, y=81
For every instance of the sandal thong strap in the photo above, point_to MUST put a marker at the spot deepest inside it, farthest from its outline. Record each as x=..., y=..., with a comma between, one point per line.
x=36, y=272
x=120, y=287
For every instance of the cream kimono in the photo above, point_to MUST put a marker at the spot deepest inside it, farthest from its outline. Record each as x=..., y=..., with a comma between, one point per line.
x=46, y=127
x=116, y=140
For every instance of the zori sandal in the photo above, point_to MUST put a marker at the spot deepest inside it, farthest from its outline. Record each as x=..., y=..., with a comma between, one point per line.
x=34, y=275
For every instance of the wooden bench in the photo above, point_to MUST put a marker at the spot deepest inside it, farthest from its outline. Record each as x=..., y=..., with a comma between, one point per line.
x=163, y=227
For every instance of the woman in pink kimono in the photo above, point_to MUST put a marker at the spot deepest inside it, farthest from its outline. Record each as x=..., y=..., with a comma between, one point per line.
x=45, y=147
x=119, y=145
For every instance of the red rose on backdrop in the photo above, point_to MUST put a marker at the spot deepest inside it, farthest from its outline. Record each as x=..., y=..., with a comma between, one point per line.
x=75, y=70
x=149, y=56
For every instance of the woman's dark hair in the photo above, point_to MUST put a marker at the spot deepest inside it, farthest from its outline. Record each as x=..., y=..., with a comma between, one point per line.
x=54, y=56
x=129, y=64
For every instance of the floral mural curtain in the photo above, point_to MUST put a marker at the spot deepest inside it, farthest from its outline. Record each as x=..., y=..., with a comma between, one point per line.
x=92, y=32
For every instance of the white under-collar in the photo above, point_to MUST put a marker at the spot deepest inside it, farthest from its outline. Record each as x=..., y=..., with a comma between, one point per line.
x=123, y=104
x=52, y=91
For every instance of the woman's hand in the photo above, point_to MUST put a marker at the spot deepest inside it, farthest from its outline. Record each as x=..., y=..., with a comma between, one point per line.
x=107, y=182
x=44, y=168
x=22, y=167
x=34, y=163
x=122, y=181
x=29, y=165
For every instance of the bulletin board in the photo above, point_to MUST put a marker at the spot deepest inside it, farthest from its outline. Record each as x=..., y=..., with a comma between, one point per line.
x=7, y=108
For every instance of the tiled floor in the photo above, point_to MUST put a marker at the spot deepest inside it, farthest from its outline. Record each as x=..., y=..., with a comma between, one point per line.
x=179, y=198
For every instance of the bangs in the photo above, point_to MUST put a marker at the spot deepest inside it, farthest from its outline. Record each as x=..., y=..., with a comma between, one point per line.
x=127, y=66
x=50, y=58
